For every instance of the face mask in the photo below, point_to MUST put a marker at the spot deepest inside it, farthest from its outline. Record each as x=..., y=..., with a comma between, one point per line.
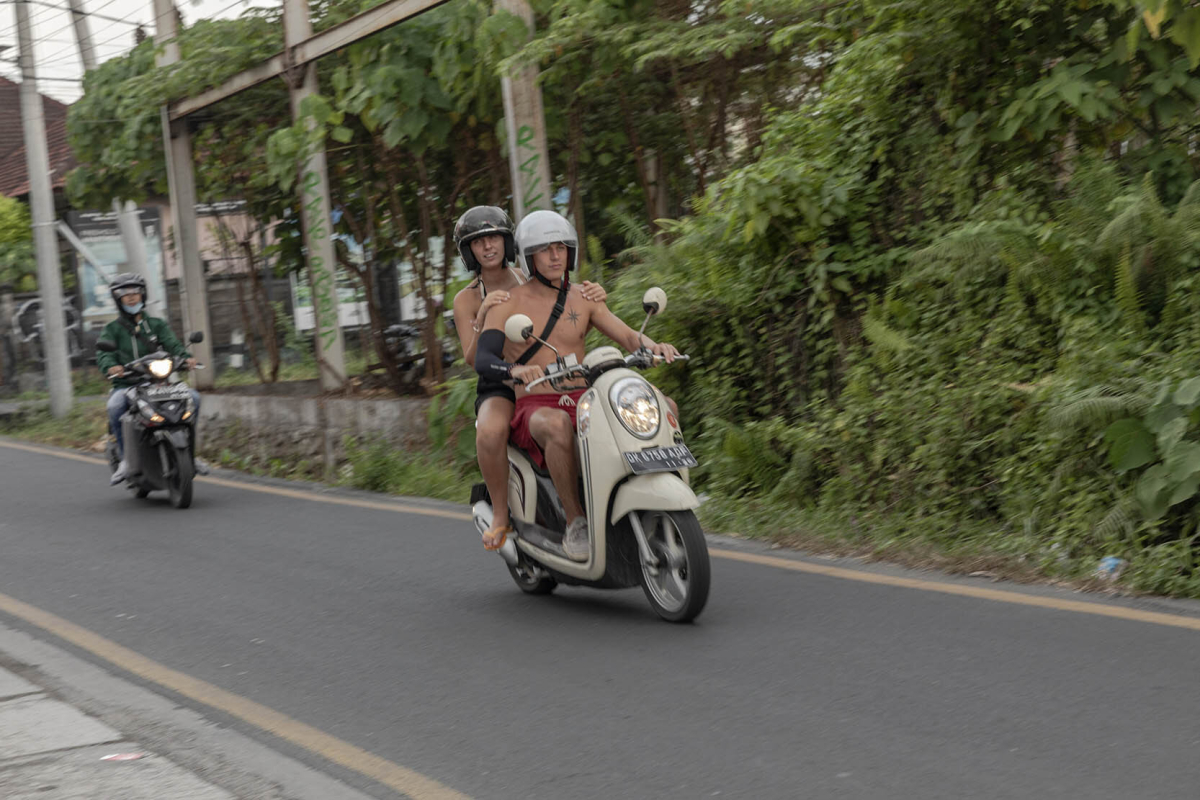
x=134, y=309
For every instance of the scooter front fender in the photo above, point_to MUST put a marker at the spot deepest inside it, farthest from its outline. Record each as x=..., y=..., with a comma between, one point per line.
x=178, y=438
x=659, y=491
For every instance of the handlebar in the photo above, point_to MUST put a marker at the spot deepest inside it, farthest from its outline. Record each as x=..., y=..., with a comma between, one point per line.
x=137, y=366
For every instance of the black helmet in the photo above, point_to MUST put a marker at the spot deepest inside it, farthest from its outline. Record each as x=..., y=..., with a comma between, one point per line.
x=127, y=283
x=483, y=221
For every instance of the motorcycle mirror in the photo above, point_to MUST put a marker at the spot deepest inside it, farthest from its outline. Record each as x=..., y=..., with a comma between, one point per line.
x=518, y=328
x=196, y=338
x=105, y=346
x=654, y=301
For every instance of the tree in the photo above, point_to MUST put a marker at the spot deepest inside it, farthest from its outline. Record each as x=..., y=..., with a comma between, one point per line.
x=17, y=264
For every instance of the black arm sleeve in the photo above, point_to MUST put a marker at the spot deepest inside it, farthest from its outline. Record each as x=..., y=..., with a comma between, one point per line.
x=489, y=356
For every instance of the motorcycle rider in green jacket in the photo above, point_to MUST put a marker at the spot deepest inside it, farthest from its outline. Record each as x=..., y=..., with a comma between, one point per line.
x=135, y=334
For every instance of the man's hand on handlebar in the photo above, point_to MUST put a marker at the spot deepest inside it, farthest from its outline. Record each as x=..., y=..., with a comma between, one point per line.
x=526, y=373
x=190, y=363
x=665, y=351
x=116, y=372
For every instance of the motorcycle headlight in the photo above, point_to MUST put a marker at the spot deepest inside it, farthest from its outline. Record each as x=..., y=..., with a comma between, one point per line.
x=583, y=414
x=161, y=367
x=637, y=407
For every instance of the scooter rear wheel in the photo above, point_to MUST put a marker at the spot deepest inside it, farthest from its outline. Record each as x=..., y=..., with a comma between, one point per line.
x=530, y=580
x=677, y=587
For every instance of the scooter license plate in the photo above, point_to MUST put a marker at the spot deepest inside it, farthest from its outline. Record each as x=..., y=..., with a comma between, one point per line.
x=169, y=391
x=661, y=459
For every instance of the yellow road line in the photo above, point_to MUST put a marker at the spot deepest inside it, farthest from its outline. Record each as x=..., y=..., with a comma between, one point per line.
x=394, y=776
x=279, y=491
x=998, y=595
x=342, y=501
x=978, y=592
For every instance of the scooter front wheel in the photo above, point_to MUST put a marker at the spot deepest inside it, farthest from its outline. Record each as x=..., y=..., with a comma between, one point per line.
x=677, y=586
x=180, y=481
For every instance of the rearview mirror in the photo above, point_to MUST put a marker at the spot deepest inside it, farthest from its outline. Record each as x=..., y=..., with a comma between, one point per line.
x=518, y=328
x=105, y=346
x=196, y=338
x=654, y=301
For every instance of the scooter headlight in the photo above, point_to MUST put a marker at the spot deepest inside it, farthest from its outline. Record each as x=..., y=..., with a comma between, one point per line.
x=583, y=414
x=161, y=367
x=637, y=407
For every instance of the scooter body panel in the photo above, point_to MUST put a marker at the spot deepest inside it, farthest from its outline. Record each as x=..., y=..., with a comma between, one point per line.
x=602, y=441
x=659, y=491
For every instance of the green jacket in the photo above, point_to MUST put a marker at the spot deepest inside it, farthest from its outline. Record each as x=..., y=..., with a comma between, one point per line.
x=148, y=329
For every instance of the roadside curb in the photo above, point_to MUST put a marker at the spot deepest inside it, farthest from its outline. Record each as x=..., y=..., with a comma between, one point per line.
x=61, y=716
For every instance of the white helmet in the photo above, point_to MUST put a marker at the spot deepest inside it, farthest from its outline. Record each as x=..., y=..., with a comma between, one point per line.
x=540, y=229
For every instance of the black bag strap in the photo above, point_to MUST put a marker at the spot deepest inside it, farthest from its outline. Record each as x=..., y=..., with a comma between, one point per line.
x=559, y=305
x=135, y=330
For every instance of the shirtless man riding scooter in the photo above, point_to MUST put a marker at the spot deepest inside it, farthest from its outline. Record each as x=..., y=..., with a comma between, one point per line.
x=484, y=236
x=544, y=421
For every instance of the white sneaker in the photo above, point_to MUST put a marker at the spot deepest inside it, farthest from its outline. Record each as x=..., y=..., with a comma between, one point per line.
x=575, y=542
x=118, y=475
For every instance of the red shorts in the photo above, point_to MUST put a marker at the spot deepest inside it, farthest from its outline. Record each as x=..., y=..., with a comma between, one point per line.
x=526, y=406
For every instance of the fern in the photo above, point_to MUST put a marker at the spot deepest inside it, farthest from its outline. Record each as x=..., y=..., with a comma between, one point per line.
x=1129, y=298
x=884, y=337
x=1118, y=522
x=1093, y=407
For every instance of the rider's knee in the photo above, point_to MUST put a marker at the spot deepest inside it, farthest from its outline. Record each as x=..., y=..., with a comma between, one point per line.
x=491, y=436
x=558, y=427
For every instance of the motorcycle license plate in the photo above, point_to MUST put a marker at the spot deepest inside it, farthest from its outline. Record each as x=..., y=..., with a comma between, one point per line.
x=661, y=459
x=170, y=391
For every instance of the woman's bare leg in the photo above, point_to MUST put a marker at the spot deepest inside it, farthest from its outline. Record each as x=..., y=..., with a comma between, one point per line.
x=491, y=449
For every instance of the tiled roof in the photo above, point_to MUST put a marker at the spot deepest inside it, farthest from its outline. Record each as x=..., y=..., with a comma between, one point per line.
x=14, y=177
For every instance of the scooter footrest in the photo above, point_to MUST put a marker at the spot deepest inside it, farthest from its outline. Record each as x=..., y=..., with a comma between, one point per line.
x=542, y=538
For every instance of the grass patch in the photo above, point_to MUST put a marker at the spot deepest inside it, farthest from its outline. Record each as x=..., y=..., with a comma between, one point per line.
x=303, y=370
x=83, y=426
x=378, y=467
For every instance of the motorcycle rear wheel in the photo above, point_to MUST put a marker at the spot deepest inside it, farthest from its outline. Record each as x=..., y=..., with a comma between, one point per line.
x=677, y=587
x=179, y=484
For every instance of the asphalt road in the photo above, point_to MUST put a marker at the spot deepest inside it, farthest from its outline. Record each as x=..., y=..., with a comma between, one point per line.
x=397, y=633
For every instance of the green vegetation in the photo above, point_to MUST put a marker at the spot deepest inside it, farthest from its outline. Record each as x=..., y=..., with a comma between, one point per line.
x=17, y=265
x=938, y=263
x=82, y=428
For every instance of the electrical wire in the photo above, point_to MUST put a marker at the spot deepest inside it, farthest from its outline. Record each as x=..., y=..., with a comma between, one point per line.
x=67, y=9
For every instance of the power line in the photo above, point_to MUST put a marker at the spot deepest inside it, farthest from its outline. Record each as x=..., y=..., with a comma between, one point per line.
x=68, y=10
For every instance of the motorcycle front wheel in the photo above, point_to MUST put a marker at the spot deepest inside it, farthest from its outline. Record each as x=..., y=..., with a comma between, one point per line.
x=677, y=586
x=179, y=483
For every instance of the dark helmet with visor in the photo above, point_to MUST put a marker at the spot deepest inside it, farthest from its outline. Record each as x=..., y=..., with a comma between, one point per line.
x=125, y=284
x=483, y=221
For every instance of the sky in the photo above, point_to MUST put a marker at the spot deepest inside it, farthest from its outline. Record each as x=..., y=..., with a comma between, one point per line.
x=58, y=66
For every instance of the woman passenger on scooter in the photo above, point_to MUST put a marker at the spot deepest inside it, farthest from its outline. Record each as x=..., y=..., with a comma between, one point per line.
x=484, y=237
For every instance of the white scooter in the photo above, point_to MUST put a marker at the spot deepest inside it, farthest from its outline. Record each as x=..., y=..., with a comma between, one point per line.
x=634, y=468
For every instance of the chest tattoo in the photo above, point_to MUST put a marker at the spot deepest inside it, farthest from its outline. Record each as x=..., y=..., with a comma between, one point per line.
x=573, y=315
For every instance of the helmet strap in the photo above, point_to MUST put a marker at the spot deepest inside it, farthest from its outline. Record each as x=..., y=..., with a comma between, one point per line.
x=542, y=279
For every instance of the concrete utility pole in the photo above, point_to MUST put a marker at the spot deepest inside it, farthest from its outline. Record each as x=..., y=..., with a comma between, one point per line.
x=314, y=203
x=525, y=124
x=130, y=223
x=83, y=35
x=178, y=149
x=41, y=202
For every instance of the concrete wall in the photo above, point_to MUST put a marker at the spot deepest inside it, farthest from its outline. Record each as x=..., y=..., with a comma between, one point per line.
x=307, y=428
